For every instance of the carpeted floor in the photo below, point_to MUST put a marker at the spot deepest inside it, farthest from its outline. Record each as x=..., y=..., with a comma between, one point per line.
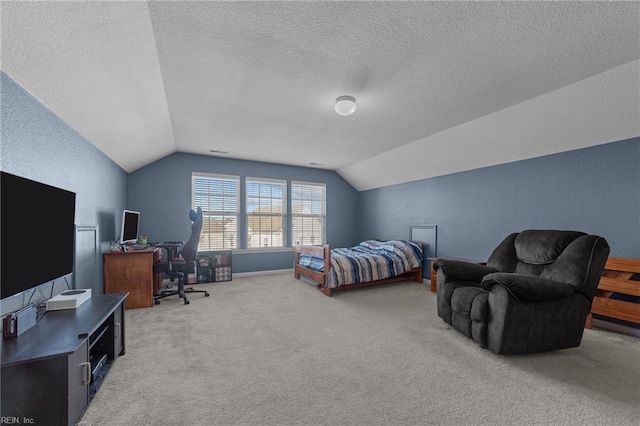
x=272, y=350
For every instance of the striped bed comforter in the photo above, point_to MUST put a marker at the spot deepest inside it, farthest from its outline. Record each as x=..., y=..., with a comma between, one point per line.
x=368, y=261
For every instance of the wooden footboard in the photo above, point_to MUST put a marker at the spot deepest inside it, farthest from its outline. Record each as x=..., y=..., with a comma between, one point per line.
x=322, y=252
x=320, y=278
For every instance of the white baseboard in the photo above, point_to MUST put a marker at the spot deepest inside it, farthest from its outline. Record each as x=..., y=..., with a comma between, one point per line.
x=269, y=272
x=285, y=271
x=618, y=328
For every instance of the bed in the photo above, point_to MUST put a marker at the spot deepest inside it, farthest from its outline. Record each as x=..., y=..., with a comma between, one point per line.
x=368, y=263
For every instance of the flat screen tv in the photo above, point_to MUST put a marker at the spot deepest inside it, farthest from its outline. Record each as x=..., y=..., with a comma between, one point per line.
x=130, y=224
x=36, y=233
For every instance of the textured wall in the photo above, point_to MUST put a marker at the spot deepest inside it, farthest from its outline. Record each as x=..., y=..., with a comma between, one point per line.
x=161, y=192
x=38, y=145
x=594, y=190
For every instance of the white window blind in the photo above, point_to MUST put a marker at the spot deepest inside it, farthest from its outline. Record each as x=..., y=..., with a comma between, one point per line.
x=308, y=213
x=266, y=212
x=218, y=196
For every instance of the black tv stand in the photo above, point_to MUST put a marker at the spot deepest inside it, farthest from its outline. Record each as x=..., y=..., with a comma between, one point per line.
x=51, y=372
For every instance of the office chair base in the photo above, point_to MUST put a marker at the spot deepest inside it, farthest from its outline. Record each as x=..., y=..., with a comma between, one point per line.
x=179, y=292
x=157, y=302
x=171, y=292
x=192, y=290
x=156, y=298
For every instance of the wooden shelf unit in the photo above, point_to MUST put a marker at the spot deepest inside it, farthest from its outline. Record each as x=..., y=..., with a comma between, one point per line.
x=621, y=276
x=214, y=266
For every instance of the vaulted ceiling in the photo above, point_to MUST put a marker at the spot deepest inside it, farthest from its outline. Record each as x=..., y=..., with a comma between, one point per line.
x=257, y=80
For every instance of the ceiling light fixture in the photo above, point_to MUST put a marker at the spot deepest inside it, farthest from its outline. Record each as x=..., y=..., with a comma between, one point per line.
x=345, y=105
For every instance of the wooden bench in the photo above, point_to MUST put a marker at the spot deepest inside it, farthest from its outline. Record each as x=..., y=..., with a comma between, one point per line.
x=621, y=276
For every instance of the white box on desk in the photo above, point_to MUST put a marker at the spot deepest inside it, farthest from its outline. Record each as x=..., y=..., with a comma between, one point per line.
x=69, y=299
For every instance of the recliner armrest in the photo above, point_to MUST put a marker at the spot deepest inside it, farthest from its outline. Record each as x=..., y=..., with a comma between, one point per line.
x=466, y=271
x=526, y=288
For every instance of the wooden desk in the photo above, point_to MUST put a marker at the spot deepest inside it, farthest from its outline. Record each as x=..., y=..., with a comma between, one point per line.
x=132, y=272
x=620, y=276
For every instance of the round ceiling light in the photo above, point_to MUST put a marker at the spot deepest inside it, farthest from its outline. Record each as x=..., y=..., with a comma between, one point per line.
x=345, y=105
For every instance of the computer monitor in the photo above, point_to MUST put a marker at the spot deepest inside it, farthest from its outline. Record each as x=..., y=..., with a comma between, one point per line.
x=130, y=224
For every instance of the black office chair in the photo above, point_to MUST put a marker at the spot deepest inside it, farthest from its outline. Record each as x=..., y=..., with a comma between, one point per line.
x=178, y=268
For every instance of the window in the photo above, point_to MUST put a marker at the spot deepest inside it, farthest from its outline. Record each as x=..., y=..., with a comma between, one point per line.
x=308, y=213
x=218, y=197
x=263, y=221
x=266, y=212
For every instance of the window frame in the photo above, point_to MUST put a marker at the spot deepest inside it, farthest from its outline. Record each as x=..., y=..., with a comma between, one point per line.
x=283, y=214
x=208, y=214
x=322, y=216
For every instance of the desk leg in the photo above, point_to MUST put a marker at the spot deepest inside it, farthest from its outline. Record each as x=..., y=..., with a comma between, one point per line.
x=157, y=283
x=157, y=278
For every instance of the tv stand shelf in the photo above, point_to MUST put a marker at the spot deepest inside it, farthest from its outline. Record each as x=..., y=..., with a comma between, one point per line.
x=47, y=372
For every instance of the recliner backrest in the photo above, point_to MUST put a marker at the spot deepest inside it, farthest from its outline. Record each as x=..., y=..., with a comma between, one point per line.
x=536, y=249
x=580, y=264
x=566, y=256
x=529, y=252
x=503, y=257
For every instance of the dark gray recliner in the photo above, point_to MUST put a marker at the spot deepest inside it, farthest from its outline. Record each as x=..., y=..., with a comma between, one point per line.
x=533, y=294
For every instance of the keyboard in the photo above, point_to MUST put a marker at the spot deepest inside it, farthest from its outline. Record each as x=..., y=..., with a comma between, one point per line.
x=140, y=246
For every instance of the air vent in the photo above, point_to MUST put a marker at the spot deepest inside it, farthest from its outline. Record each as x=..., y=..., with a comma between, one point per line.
x=217, y=151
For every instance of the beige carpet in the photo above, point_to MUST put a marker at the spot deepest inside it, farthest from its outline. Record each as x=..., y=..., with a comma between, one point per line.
x=272, y=350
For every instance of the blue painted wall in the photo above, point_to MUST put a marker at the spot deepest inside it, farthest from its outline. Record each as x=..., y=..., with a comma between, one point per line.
x=161, y=192
x=38, y=145
x=594, y=190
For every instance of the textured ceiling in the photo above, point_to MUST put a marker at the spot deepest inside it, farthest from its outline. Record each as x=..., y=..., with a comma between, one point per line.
x=258, y=80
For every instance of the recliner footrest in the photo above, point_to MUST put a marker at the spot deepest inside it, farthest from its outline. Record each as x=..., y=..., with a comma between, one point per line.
x=470, y=309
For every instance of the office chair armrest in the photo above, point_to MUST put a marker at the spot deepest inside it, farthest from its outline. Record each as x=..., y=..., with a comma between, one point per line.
x=191, y=265
x=181, y=265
